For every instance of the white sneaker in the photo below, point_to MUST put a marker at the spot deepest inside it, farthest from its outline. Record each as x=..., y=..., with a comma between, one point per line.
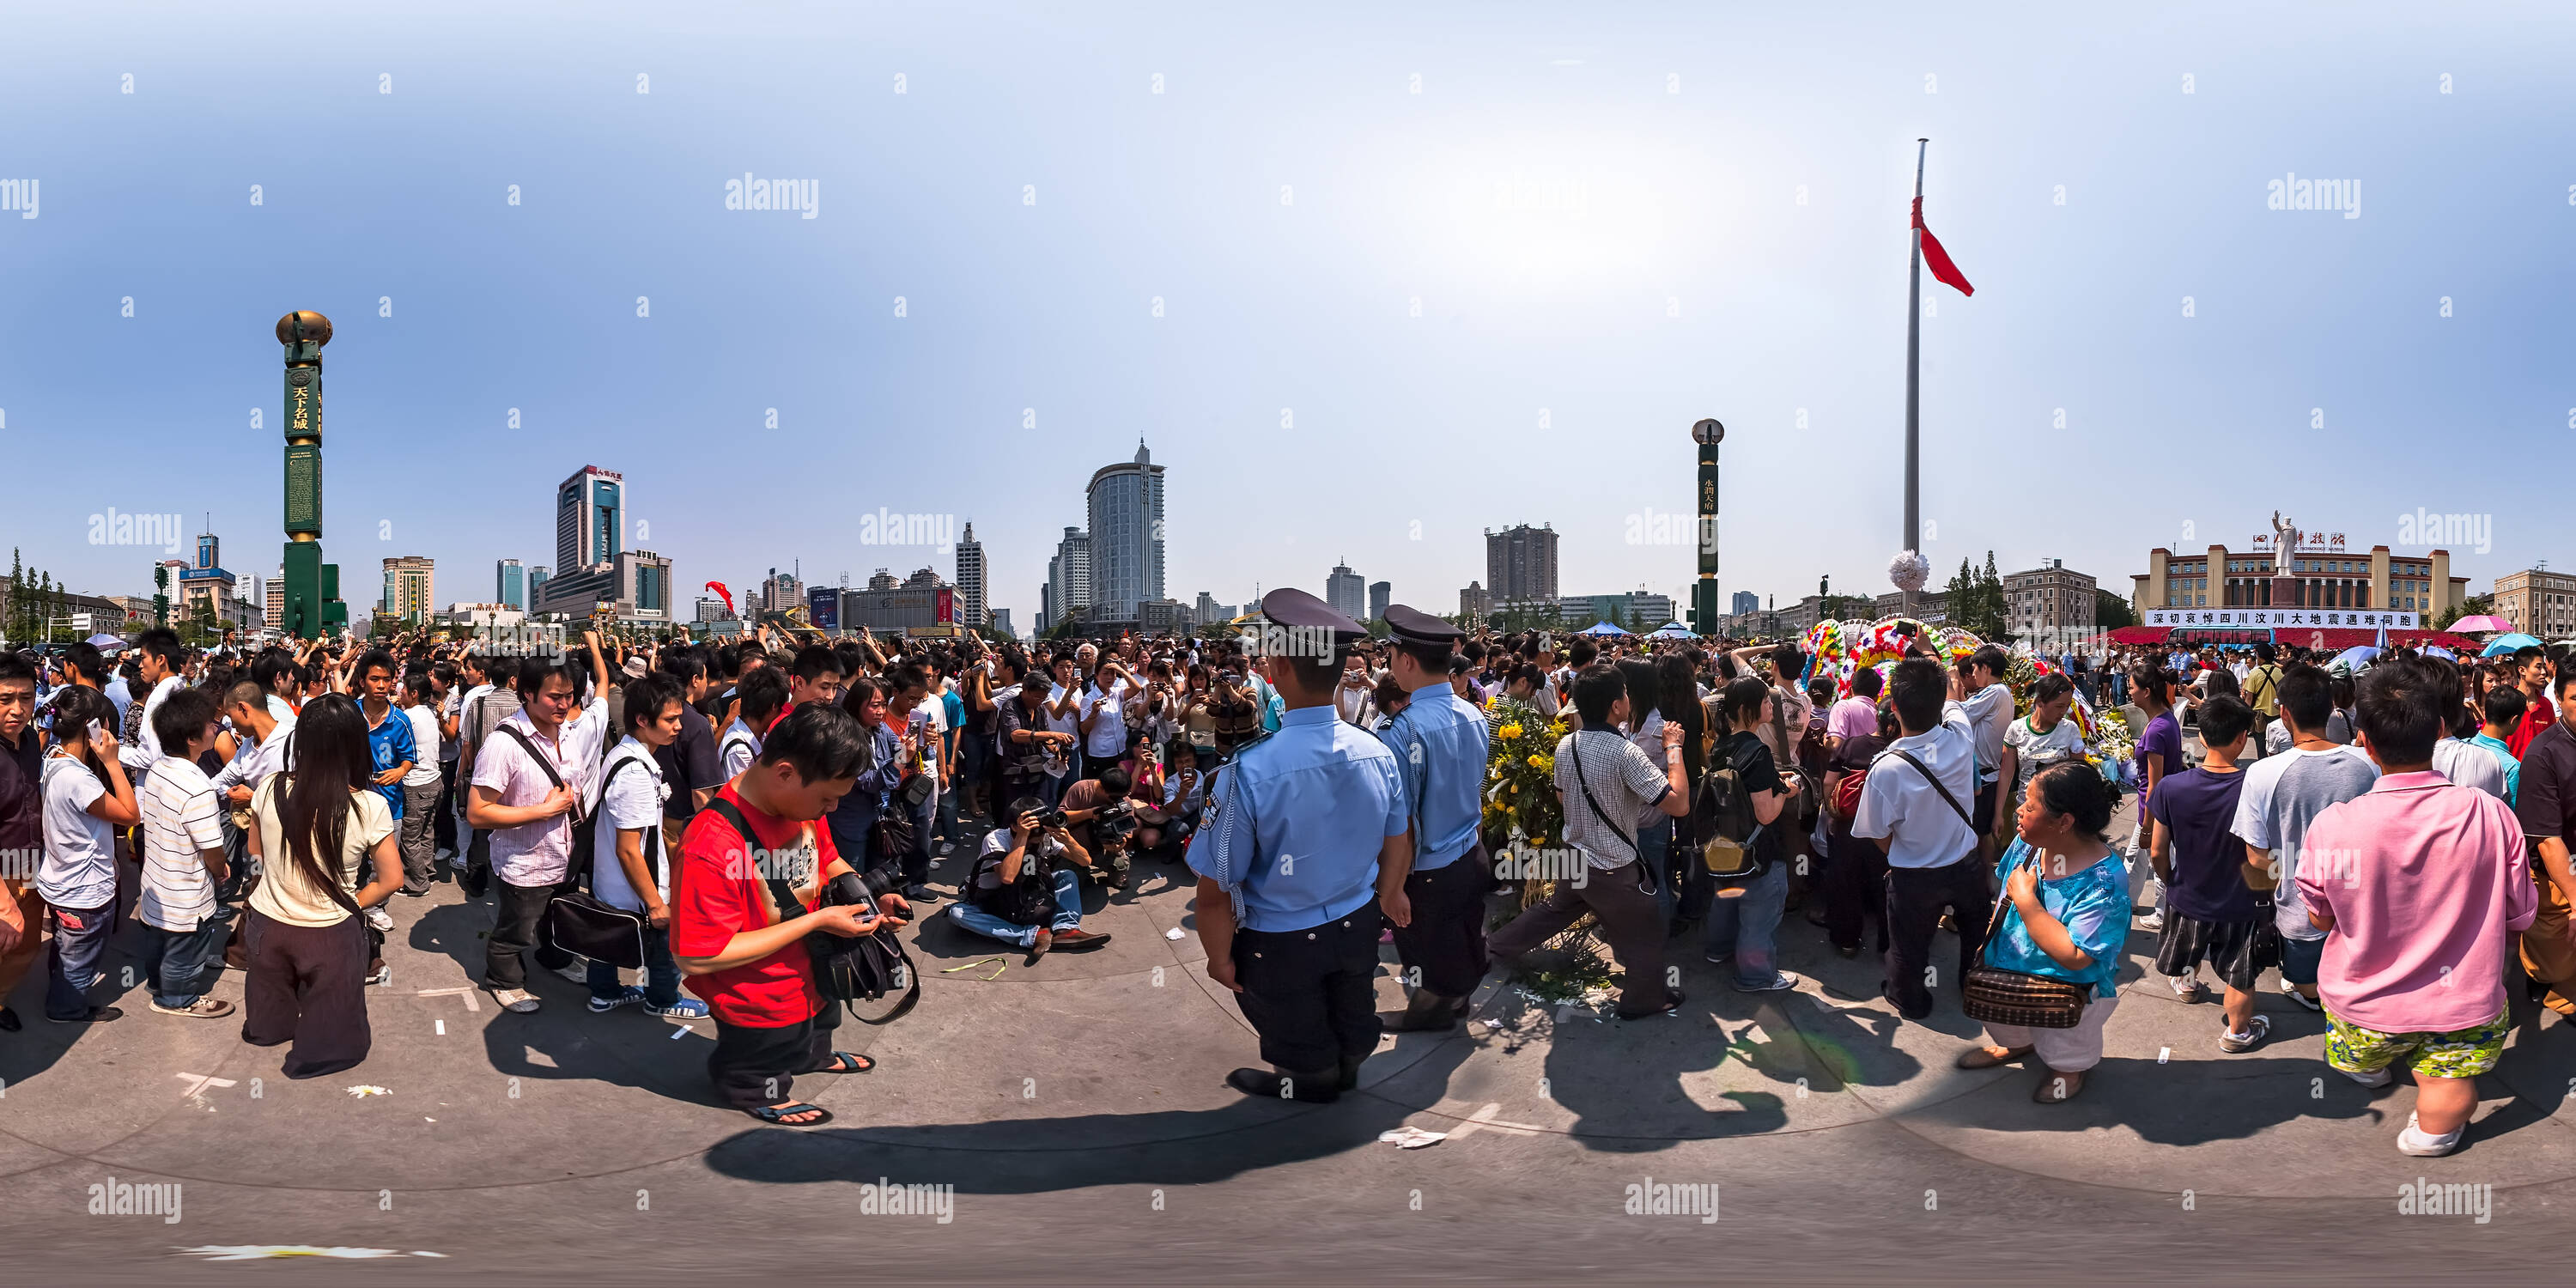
x=2423, y=1144
x=379, y=918
x=578, y=972
x=2374, y=1078
x=2151, y=920
x=516, y=1000
x=2186, y=987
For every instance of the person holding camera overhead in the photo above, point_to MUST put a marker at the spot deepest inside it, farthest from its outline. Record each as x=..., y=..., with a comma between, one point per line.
x=1304, y=838
x=1026, y=887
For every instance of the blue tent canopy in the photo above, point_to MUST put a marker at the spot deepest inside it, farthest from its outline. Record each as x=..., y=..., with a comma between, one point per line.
x=1602, y=628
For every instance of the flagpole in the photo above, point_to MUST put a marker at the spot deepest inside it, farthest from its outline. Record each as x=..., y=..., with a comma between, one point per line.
x=1912, y=541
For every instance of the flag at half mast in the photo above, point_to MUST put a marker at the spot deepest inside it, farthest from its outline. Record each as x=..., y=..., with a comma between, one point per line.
x=1937, y=259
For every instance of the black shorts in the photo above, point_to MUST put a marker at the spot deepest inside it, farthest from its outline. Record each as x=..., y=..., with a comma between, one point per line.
x=2228, y=947
x=1982, y=818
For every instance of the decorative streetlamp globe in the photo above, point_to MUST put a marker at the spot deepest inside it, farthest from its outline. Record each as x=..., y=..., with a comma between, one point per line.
x=1708, y=433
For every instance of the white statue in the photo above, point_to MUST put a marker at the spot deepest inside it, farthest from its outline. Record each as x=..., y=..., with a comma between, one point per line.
x=2285, y=534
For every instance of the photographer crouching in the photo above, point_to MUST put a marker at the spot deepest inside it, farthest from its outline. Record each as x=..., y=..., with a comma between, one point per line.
x=1026, y=887
x=1103, y=818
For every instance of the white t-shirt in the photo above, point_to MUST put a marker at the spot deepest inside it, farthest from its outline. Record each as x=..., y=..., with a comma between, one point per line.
x=629, y=801
x=2034, y=751
x=139, y=754
x=424, y=736
x=80, y=849
x=1108, y=736
x=452, y=707
x=739, y=746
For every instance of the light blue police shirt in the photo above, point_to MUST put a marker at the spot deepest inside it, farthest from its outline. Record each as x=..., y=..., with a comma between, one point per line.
x=1440, y=743
x=1296, y=821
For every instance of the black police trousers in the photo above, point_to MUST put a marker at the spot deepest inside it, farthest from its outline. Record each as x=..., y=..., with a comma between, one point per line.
x=1446, y=941
x=1311, y=994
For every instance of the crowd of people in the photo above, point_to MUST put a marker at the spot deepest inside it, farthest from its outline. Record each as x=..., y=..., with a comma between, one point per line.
x=2393, y=842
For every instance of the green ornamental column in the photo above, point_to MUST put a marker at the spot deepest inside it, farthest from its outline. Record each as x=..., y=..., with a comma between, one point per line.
x=307, y=597
x=1704, y=607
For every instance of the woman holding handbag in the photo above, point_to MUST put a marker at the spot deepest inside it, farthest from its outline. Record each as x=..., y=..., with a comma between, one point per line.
x=2062, y=920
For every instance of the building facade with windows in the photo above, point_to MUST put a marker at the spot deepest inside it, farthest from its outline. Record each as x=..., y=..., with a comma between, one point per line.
x=1347, y=592
x=1520, y=563
x=1125, y=507
x=2322, y=572
x=2051, y=597
x=409, y=584
x=2538, y=602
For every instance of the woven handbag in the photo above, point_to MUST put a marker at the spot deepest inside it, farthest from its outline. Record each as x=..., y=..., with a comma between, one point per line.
x=1992, y=995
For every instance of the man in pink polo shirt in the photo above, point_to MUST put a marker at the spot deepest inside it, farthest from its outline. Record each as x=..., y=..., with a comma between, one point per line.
x=2420, y=886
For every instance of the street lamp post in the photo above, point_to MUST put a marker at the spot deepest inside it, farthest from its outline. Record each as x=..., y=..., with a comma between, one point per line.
x=312, y=595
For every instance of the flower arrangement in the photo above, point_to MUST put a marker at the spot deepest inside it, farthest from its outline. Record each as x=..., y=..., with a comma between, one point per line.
x=1520, y=781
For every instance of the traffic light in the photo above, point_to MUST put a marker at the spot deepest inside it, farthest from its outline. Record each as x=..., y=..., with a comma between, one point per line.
x=160, y=594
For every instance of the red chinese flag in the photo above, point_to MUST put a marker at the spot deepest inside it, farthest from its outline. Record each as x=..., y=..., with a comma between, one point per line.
x=1938, y=259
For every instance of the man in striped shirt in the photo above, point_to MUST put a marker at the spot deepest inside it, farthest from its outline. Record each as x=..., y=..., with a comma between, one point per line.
x=183, y=861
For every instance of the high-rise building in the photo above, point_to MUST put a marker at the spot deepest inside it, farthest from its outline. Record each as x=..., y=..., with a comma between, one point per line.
x=1475, y=601
x=1208, y=610
x=1069, y=576
x=1520, y=563
x=1747, y=602
x=273, y=606
x=1002, y=623
x=2538, y=602
x=1346, y=591
x=970, y=579
x=781, y=591
x=1125, y=504
x=510, y=584
x=2051, y=597
x=635, y=587
x=1381, y=593
x=409, y=587
x=537, y=583
x=590, y=519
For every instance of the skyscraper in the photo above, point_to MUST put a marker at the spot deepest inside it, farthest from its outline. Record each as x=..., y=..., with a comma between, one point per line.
x=537, y=578
x=1125, y=560
x=970, y=579
x=1747, y=602
x=274, y=606
x=1381, y=593
x=1520, y=564
x=510, y=584
x=408, y=587
x=1069, y=576
x=590, y=519
x=1346, y=591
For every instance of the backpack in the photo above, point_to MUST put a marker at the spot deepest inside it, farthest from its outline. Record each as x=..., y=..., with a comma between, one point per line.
x=848, y=970
x=1722, y=817
x=1846, y=802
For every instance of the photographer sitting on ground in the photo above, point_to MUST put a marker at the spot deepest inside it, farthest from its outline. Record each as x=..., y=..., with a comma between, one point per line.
x=1105, y=821
x=1025, y=888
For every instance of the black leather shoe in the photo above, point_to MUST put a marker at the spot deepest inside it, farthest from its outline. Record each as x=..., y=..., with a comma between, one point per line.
x=1280, y=1084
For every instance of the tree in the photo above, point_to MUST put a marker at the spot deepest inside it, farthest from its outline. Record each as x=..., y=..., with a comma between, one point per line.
x=2110, y=611
x=1976, y=600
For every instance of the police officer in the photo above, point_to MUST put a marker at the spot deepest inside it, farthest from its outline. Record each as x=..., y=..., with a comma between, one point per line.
x=1304, y=836
x=1440, y=744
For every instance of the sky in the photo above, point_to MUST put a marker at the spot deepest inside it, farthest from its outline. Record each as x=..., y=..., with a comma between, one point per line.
x=1368, y=280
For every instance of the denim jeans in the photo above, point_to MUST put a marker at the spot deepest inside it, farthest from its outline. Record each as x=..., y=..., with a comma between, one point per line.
x=661, y=973
x=181, y=964
x=1748, y=926
x=1068, y=914
x=80, y=940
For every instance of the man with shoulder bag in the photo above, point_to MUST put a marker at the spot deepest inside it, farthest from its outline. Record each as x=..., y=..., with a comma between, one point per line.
x=1603, y=777
x=1913, y=804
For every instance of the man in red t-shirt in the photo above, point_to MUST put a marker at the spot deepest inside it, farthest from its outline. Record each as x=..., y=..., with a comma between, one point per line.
x=2537, y=714
x=745, y=953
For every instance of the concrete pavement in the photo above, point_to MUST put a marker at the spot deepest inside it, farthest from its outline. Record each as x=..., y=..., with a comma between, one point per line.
x=1076, y=1111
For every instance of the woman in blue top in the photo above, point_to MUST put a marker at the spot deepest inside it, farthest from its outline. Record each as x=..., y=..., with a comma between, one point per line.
x=2065, y=916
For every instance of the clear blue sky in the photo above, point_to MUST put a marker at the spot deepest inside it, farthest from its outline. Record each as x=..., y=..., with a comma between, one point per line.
x=1545, y=195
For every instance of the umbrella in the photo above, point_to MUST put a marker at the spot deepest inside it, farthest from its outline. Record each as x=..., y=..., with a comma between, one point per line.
x=1673, y=631
x=1601, y=628
x=2353, y=659
x=2480, y=625
x=104, y=641
x=2436, y=650
x=2508, y=643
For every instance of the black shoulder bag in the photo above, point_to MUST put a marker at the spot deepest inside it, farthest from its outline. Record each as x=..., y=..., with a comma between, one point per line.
x=1993, y=995
x=579, y=922
x=847, y=969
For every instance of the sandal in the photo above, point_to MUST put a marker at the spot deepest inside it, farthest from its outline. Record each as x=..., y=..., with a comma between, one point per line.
x=1978, y=1057
x=777, y=1115
x=849, y=1062
x=1672, y=1005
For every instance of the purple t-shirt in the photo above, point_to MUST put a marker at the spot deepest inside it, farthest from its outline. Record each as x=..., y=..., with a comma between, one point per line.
x=2199, y=809
x=2162, y=738
x=1853, y=717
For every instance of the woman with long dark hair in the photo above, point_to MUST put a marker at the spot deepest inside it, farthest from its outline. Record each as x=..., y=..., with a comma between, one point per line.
x=316, y=827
